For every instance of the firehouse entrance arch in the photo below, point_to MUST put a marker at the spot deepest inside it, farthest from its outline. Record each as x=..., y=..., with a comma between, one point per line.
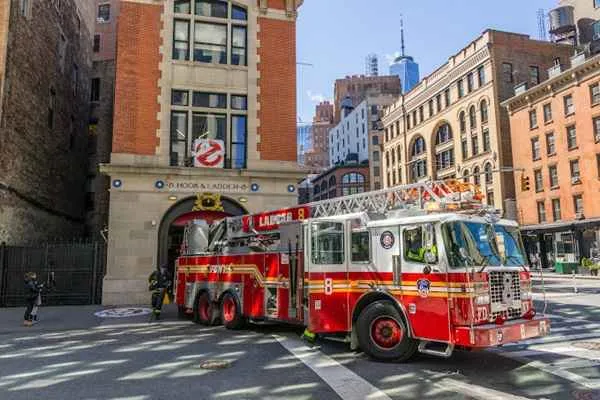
x=207, y=206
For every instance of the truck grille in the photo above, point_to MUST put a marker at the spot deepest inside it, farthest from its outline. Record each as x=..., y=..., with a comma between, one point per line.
x=505, y=294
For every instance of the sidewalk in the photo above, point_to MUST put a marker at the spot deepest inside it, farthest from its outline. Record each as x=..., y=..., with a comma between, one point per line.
x=554, y=276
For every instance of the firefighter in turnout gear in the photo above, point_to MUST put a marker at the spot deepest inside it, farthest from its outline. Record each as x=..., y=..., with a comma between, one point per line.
x=416, y=250
x=160, y=286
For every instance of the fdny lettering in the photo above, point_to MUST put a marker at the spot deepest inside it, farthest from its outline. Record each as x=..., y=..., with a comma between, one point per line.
x=220, y=269
x=265, y=221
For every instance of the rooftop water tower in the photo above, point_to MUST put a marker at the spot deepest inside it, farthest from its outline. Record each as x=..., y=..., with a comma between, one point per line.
x=562, y=25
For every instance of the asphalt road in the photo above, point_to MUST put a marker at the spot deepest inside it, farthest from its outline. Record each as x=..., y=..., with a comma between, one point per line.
x=73, y=355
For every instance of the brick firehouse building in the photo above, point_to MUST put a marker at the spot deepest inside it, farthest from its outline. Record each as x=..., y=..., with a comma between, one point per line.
x=204, y=125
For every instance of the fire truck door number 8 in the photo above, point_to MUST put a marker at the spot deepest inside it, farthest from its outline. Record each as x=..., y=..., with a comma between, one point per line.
x=328, y=286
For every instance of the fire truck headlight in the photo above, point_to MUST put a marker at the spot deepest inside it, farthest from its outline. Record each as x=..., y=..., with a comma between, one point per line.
x=482, y=299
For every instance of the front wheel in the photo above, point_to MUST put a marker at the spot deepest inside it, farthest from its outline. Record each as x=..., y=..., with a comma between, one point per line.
x=231, y=312
x=382, y=334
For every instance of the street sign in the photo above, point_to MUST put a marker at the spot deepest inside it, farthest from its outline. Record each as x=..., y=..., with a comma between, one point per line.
x=209, y=153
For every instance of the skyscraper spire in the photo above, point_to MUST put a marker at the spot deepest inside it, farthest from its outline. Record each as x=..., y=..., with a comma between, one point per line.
x=402, y=33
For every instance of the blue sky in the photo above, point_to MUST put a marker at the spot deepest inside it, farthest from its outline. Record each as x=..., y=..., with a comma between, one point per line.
x=336, y=35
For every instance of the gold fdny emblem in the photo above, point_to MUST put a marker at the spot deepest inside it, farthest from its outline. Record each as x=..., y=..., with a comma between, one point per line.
x=208, y=202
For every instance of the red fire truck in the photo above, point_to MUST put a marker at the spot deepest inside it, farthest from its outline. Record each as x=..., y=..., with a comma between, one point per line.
x=423, y=267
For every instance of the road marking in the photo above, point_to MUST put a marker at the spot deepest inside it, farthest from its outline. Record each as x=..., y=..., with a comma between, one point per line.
x=558, y=338
x=347, y=384
x=477, y=392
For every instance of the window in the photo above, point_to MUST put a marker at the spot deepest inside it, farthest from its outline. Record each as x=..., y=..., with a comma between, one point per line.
x=438, y=103
x=547, y=112
x=533, y=119
x=481, y=75
x=238, y=46
x=556, y=209
x=179, y=134
x=209, y=126
x=578, y=204
x=375, y=140
x=444, y=135
x=51, y=108
x=575, y=172
x=211, y=8
x=239, y=138
x=470, y=82
x=473, y=118
x=418, y=147
x=541, y=211
x=353, y=183
x=474, y=145
x=490, y=198
x=461, y=89
x=418, y=169
x=25, y=8
x=596, y=122
x=182, y=6
x=466, y=177
x=569, y=105
x=484, y=112
x=463, y=122
x=421, y=114
x=209, y=100
x=447, y=97
x=595, y=93
x=360, y=246
x=239, y=102
x=327, y=243
x=571, y=137
x=387, y=159
x=445, y=159
x=104, y=13
x=95, y=92
x=414, y=118
x=476, y=176
x=534, y=75
x=376, y=156
x=415, y=242
x=486, y=140
x=464, y=148
x=489, y=176
x=553, y=173
x=181, y=40
x=550, y=144
x=210, y=43
x=507, y=72
x=430, y=108
x=539, y=180
x=96, y=43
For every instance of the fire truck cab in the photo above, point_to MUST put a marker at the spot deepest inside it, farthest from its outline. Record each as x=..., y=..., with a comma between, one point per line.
x=393, y=283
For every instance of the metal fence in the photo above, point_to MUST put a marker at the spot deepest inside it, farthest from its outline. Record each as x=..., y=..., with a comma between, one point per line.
x=78, y=269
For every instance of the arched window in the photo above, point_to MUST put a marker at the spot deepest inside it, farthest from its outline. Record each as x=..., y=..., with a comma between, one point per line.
x=484, y=112
x=443, y=135
x=473, y=117
x=463, y=122
x=317, y=190
x=489, y=177
x=466, y=177
x=418, y=147
x=353, y=183
x=398, y=152
x=324, y=187
x=476, y=176
x=332, y=181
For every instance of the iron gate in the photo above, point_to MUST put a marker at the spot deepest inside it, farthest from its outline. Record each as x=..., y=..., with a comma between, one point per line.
x=78, y=269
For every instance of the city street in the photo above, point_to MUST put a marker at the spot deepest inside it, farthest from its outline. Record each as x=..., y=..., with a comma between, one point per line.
x=73, y=354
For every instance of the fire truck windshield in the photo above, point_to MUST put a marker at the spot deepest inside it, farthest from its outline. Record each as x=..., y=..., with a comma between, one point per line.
x=482, y=244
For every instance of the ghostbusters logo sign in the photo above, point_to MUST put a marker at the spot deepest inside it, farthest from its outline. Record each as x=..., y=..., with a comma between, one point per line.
x=209, y=153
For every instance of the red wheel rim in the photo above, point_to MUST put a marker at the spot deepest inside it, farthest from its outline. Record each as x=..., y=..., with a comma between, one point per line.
x=204, y=308
x=386, y=332
x=229, y=309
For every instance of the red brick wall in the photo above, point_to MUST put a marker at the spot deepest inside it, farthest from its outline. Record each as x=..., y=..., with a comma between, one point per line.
x=277, y=84
x=136, y=91
x=277, y=4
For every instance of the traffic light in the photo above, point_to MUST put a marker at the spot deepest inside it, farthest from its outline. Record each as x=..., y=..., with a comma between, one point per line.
x=525, y=183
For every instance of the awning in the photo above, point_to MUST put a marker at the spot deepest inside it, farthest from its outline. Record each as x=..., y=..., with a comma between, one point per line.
x=562, y=226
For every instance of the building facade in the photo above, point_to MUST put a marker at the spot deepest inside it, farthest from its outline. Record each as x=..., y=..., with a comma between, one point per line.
x=204, y=126
x=555, y=129
x=102, y=91
x=451, y=125
x=317, y=159
x=348, y=140
x=304, y=138
x=45, y=67
x=358, y=88
x=343, y=180
x=407, y=70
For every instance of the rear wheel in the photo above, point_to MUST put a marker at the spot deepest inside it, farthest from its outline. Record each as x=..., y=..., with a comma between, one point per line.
x=231, y=312
x=203, y=309
x=382, y=334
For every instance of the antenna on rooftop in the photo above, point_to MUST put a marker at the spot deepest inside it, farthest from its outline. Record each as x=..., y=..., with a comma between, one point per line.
x=402, y=33
x=541, y=15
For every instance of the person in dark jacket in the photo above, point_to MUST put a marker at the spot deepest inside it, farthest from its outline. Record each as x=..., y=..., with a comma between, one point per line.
x=32, y=293
x=160, y=285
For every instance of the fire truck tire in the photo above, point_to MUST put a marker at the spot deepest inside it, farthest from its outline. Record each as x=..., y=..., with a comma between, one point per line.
x=382, y=333
x=231, y=312
x=203, y=309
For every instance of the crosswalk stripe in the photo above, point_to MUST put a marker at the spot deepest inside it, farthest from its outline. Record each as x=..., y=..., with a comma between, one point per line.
x=553, y=339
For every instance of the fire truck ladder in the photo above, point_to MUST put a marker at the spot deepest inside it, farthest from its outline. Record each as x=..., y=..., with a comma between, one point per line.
x=450, y=195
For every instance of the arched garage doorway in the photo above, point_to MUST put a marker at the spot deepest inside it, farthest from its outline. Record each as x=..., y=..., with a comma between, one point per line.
x=205, y=206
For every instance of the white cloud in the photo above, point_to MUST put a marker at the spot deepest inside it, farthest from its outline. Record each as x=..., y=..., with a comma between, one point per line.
x=315, y=97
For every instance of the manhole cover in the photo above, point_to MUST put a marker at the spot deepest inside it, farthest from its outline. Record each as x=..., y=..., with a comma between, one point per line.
x=588, y=345
x=586, y=395
x=123, y=312
x=215, y=364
